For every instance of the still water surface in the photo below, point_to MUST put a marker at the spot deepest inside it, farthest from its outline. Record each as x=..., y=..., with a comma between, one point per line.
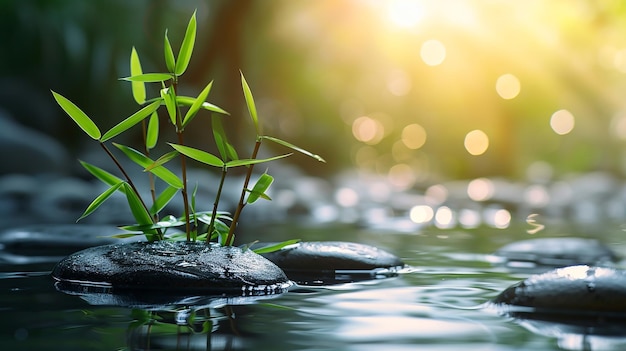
x=435, y=304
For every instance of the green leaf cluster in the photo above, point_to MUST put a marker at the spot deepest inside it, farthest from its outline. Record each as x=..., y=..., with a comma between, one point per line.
x=179, y=111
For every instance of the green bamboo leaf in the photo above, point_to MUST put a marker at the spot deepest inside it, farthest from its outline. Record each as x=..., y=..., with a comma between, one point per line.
x=188, y=101
x=165, y=223
x=149, y=77
x=152, y=134
x=168, y=95
x=130, y=121
x=250, y=161
x=161, y=160
x=227, y=150
x=100, y=200
x=136, y=207
x=83, y=121
x=275, y=247
x=102, y=175
x=260, y=187
x=186, y=48
x=125, y=235
x=163, y=199
x=293, y=147
x=138, y=88
x=170, y=62
x=250, y=102
x=161, y=172
x=199, y=155
x=195, y=107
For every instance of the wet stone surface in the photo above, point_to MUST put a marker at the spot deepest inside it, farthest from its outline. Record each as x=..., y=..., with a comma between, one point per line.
x=569, y=291
x=330, y=262
x=58, y=238
x=167, y=267
x=545, y=253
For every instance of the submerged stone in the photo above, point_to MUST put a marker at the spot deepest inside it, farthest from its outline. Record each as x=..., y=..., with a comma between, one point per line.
x=169, y=267
x=329, y=262
x=553, y=253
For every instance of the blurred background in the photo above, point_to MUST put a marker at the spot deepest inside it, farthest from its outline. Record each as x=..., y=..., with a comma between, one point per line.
x=413, y=92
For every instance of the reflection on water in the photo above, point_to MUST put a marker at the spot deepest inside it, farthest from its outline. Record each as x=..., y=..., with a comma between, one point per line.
x=436, y=304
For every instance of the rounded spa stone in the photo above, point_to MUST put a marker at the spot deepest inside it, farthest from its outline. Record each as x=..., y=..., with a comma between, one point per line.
x=168, y=266
x=554, y=253
x=570, y=291
x=332, y=256
x=59, y=238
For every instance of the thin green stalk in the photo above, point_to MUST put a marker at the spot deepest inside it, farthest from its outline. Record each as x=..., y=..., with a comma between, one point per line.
x=150, y=176
x=130, y=182
x=233, y=225
x=215, y=204
x=183, y=164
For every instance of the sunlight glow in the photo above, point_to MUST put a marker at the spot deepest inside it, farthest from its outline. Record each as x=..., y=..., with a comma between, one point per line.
x=368, y=130
x=508, y=86
x=476, y=142
x=404, y=13
x=414, y=136
x=562, y=122
x=433, y=52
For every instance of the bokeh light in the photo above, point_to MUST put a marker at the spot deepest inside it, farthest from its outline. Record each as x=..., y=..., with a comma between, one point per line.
x=476, y=142
x=421, y=214
x=433, y=52
x=367, y=130
x=414, y=136
x=508, y=86
x=562, y=122
x=480, y=189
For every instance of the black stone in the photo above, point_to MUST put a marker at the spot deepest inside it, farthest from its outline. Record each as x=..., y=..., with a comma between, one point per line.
x=547, y=253
x=58, y=239
x=576, y=299
x=570, y=289
x=330, y=262
x=169, y=267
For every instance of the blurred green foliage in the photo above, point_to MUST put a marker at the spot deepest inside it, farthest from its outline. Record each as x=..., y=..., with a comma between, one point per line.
x=316, y=67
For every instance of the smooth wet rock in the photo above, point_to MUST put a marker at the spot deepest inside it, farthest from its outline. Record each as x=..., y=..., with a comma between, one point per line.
x=332, y=262
x=569, y=291
x=58, y=239
x=572, y=302
x=169, y=267
x=332, y=255
x=553, y=253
